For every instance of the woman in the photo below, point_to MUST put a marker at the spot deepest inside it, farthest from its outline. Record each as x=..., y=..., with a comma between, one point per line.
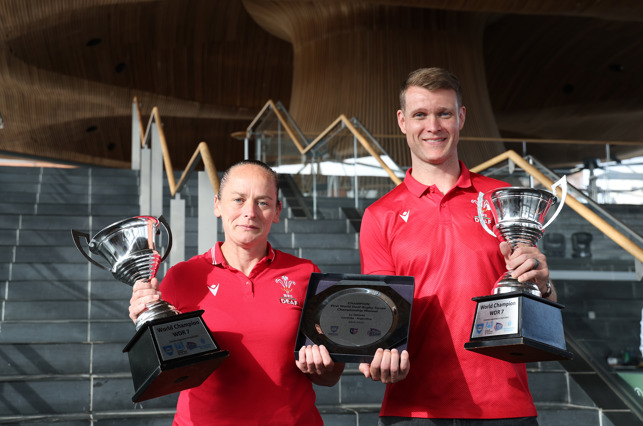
x=252, y=296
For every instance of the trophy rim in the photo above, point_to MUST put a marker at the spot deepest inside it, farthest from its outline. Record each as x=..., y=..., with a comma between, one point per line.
x=522, y=189
x=116, y=226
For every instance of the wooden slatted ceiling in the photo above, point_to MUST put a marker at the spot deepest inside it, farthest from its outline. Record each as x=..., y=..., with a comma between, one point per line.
x=74, y=65
x=67, y=66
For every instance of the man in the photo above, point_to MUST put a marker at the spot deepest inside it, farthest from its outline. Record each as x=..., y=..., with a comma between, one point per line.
x=427, y=227
x=252, y=296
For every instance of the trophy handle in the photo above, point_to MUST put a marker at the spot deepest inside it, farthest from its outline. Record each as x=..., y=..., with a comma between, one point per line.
x=562, y=182
x=480, y=216
x=169, y=234
x=76, y=237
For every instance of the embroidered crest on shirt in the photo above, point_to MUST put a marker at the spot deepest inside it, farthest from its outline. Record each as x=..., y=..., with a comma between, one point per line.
x=214, y=288
x=405, y=215
x=486, y=212
x=287, y=287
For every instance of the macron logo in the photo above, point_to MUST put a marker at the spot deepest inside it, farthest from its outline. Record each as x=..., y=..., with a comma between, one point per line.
x=405, y=215
x=214, y=288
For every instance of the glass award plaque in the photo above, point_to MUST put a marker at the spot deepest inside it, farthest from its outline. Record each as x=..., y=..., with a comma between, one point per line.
x=353, y=315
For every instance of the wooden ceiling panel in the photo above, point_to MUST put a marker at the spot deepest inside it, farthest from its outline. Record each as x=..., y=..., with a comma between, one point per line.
x=562, y=69
x=72, y=62
x=562, y=77
x=571, y=60
x=186, y=50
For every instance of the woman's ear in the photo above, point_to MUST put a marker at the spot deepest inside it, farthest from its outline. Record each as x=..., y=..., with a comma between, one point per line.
x=217, y=206
x=278, y=212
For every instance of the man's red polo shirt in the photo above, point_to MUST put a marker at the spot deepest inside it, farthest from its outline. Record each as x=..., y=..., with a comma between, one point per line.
x=417, y=231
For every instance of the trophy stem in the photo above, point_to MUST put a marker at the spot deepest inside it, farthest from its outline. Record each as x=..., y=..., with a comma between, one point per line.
x=156, y=310
x=508, y=284
x=138, y=265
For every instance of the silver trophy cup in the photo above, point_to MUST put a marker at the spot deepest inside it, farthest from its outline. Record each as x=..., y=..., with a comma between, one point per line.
x=519, y=216
x=129, y=248
x=514, y=323
x=171, y=351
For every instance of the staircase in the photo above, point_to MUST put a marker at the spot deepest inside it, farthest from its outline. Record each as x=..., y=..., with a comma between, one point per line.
x=64, y=321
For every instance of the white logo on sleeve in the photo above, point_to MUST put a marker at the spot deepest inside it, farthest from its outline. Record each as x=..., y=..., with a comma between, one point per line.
x=214, y=288
x=405, y=215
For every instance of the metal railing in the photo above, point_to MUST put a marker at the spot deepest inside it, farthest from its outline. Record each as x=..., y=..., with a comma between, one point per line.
x=593, y=218
x=597, y=173
x=344, y=160
x=332, y=164
x=150, y=155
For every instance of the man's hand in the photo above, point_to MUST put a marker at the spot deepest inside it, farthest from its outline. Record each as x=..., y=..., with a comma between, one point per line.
x=527, y=263
x=388, y=366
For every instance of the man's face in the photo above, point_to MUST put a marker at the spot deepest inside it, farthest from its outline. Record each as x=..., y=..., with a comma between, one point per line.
x=431, y=122
x=248, y=206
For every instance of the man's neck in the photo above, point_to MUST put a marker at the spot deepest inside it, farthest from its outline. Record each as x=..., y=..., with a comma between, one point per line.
x=443, y=176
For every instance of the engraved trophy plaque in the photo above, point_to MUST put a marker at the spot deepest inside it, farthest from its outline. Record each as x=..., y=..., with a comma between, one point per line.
x=515, y=323
x=353, y=315
x=171, y=351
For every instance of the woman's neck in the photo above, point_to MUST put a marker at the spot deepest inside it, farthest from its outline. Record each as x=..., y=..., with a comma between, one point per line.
x=243, y=259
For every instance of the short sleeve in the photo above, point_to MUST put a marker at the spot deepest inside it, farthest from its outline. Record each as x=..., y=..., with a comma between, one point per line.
x=374, y=249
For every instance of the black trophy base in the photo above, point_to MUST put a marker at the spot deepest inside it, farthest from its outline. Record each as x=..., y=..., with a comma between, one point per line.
x=172, y=354
x=518, y=327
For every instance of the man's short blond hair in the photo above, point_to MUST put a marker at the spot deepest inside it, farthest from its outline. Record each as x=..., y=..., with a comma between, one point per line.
x=431, y=79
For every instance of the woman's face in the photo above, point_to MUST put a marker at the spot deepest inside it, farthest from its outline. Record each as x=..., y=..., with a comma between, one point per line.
x=248, y=206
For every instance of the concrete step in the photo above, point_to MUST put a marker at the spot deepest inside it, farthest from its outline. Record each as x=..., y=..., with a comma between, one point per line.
x=43, y=222
x=36, y=237
x=332, y=256
x=315, y=240
x=314, y=226
x=65, y=321
x=79, y=331
x=74, y=397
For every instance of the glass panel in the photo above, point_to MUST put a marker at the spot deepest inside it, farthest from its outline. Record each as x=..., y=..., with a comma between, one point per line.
x=613, y=182
x=338, y=166
x=567, y=237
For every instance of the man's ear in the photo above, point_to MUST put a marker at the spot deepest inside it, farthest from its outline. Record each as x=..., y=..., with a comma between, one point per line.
x=401, y=121
x=462, y=114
